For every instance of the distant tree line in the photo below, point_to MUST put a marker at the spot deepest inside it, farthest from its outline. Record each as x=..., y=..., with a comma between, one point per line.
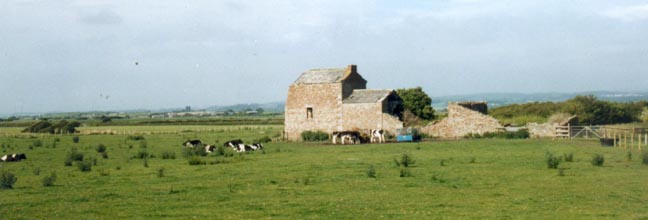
x=589, y=110
x=61, y=127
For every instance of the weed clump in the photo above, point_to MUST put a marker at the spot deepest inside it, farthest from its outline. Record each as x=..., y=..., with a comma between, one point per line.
x=569, y=157
x=405, y=161
x=371, y=172
x=160, y=172
x=7, y=180
x=100, y=148
x=168, y=155
x=85, y=166
x=552, y=161
x=629, y=156
x=49, y=180
x=644, y=158
x=196, y=161
x=135, y=137
x=314, y=136
x=598, y=160
x=75, y=139
x=142, y=154
x=404, y=172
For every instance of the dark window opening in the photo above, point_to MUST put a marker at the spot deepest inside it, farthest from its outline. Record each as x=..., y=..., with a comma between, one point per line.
x=309, y=112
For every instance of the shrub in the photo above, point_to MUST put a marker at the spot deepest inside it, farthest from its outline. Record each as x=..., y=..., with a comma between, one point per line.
x=569, y=157
x=644, y=158
x=85, y=166
x=135, y=137
x=142, y=154
x=168, y=155
x=552, y=161
x=37, y=143
x=74, y=155
x=100, y=148
x=371, y=172
x=314, y=136
x=265, y=139
x=405, y=161
x=75, y=139
x=404, y=172
x=49, y=180
x=7, y=180
x=598, y=160
x=196, y=161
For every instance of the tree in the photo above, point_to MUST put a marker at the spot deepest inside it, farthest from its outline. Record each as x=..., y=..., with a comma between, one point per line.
x=417, y=101
x=644, y=115
x=259, y=110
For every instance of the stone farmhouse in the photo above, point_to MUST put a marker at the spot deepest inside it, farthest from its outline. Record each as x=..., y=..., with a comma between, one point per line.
x=464, y=118
x=331, y=100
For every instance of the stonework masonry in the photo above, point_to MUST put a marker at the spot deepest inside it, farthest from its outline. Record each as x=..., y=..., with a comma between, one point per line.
x=331, y=100
x=463, y=120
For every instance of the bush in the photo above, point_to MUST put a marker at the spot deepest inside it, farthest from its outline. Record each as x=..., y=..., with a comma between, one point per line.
x=404, y=172
x=265, y=139
x=74, y=155
x=85, y=166
x=7, y=180
x=371, y=172
x=569, y=157
x=196, y=161
x=142, y=154
x=100, y=148
x=405, y=161
x=314, y=136
x=75, y=139
x=168, y=155
x=644, y=158
x=552, y=161
x=135, y=137
x=49, y=180
x=598, y=160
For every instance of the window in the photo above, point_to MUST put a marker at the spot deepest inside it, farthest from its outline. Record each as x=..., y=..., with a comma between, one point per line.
x=309, y=113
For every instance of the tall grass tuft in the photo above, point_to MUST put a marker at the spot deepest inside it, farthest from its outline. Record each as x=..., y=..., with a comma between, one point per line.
x=100, y=148
x=569, y=157
x=49, y=180
x=85, y=166
x=371, y=172
x=598, y=160
x=552, y=161
x=7, y=180
x=405, y=161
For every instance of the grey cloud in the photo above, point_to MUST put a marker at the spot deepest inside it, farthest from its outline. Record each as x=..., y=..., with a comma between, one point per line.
x=100, y=17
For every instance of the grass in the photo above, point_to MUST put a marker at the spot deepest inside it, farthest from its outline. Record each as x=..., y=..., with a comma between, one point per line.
x=510, y=179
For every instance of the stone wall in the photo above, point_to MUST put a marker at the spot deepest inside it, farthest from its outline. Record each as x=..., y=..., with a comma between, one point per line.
x=324, y=99
x=462, y=121
x=542, y=130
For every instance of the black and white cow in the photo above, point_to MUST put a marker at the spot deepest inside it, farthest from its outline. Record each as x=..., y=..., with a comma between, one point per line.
x=233, y=143
x=244, y=147
x=13, y=157
x=210, y=148
x=192, y=143
x=352, y=136
x=377, y=134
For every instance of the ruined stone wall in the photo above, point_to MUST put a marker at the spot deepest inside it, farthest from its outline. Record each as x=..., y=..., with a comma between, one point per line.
x=462, y=121
x=361, y=116
x=542, y=130
x=324, y=99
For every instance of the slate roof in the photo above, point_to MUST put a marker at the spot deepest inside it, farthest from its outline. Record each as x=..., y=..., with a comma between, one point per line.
x=367, y=95
x=316, y=76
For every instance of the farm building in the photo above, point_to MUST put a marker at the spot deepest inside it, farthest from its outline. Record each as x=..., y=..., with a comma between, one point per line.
x=331, y=100
x=464, y=118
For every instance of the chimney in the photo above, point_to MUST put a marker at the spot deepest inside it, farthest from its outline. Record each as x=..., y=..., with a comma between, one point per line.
x=352, y=68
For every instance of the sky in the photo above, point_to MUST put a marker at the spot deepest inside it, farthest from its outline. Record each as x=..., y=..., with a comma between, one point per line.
x=81, y=55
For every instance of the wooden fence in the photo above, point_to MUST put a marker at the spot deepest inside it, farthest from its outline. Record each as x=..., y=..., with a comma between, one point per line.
x=625, y=137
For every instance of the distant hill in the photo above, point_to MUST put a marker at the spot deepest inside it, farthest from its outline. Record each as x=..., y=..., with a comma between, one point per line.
x=502, y=99
x=267, y=107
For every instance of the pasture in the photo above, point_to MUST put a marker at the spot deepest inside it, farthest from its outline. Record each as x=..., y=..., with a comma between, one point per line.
x=468, y=179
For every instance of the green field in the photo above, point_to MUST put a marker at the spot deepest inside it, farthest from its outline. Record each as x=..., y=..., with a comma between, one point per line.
x=468, y=179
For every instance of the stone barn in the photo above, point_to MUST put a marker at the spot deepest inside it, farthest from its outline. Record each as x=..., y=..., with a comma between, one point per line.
x=337, y=99
x=464, y=118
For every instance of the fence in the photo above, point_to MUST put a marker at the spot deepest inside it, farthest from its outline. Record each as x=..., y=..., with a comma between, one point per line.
x=617, y=136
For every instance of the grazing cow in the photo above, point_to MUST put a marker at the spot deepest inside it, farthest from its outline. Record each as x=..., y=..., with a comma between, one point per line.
x=377, y=134
x=244, y=147
x=209, y=148
x=13, y=157
x=192, y=143
x=233, y=143
x=352, y=136
x=257, y=146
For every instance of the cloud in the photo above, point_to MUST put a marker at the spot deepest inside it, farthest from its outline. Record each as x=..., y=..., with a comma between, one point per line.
x=101, y=17
x=628, y=13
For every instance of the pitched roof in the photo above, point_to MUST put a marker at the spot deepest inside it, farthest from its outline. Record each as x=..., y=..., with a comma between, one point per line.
x=315, y=76
x=367, y=95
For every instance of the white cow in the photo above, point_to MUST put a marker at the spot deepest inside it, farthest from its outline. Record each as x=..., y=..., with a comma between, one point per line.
x=378, y=134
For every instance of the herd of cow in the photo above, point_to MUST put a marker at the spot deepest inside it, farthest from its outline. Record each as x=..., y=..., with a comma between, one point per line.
x=354, y=137
x=236, y=145
x=13, y=157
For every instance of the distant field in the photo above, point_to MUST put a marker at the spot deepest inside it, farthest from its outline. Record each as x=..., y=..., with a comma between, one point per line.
x=470, y=179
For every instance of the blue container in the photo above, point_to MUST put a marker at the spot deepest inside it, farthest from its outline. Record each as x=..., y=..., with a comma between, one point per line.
x=403, y=138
